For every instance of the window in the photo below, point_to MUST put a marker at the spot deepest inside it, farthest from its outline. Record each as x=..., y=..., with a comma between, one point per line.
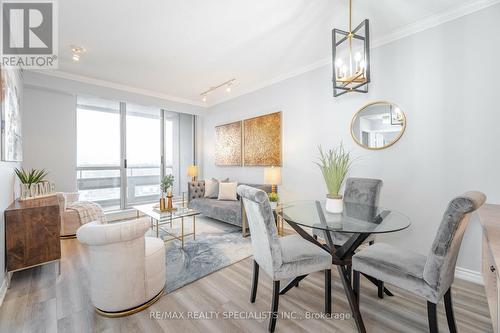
x=98, y=152
x=124, y=149
x=143, y=138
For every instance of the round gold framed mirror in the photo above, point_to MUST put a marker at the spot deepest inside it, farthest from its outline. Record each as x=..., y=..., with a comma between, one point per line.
x=378, y=125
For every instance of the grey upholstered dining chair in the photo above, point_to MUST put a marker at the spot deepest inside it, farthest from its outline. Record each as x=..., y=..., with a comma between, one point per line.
x=429, y=277
x=364, y=191
x=281, y=258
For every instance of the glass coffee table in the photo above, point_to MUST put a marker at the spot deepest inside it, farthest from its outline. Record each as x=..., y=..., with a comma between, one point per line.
x=160, y=219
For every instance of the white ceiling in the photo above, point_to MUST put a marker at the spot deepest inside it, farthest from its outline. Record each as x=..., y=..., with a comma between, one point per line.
x=181, y=48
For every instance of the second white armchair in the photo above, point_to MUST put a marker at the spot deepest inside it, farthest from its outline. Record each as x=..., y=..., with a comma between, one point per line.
x=127, y=269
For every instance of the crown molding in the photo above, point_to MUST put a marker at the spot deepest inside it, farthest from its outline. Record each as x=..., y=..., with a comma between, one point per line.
x=118, y=86
x=408, y=30
x=275, y=80
x=434, y=21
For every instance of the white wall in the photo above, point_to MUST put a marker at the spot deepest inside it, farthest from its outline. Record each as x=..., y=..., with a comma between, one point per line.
x=49, y=140
x=50, y=124
x=8, y=189
x=6, y=198
x=444, y=79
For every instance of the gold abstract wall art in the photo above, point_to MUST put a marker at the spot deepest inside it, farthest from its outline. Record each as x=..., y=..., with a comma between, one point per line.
x=228, y=144
x=262, y=140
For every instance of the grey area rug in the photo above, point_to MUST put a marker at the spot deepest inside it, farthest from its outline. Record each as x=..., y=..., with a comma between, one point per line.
x=217, y=245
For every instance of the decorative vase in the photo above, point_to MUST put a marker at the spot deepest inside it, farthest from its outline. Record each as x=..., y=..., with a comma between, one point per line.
x=162, y=203
x=334, y=204
x=169, y=202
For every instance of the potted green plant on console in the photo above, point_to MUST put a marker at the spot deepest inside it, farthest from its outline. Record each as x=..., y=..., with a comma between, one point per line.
x=29, y=181
x=166, y=187
x=273, y=199
x=334, y=165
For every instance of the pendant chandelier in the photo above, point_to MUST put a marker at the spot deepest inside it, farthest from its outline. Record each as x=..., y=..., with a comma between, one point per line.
x=351, y=58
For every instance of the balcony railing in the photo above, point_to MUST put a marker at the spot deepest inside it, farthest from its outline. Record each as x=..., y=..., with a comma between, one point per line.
x=102, y=184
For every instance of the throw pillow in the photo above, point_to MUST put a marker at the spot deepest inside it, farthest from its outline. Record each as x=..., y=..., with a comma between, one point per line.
x=227, y=191
x=211, y=188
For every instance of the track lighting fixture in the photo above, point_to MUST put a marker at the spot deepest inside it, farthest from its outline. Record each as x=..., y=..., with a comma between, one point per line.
x=226, y=84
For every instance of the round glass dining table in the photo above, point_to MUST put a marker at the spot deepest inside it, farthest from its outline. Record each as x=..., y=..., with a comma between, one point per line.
x=355, y=218
x=358, y=221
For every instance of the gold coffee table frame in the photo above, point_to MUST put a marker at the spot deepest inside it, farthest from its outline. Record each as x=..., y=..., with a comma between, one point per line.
x=160, y=219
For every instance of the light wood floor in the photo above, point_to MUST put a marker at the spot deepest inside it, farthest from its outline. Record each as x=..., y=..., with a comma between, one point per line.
x=40, y=301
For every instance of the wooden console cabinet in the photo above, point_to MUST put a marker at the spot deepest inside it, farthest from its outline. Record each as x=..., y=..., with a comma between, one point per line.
x=32, y=230
x=489, y=216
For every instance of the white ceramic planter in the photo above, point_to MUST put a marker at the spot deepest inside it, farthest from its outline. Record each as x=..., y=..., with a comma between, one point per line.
x=334, y=205
x=273, y=204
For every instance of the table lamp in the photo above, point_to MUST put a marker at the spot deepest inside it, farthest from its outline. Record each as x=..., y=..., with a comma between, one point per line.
x=193, y=172
x=272, y=176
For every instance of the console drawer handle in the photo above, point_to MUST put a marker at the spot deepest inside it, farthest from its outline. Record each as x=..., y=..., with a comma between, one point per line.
x=492, y=268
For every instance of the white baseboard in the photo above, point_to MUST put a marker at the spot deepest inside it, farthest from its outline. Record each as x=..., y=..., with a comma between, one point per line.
x=3, y=289
x=469, y=275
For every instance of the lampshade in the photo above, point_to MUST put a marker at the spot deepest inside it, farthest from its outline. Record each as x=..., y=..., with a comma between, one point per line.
x=192, y=171
x=272, y=175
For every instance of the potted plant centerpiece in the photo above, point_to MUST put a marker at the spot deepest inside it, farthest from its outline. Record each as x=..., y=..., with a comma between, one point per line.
x=334, y=165
x=166, y=187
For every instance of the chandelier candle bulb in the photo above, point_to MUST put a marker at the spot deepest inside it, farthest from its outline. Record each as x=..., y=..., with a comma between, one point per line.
x=357, y=57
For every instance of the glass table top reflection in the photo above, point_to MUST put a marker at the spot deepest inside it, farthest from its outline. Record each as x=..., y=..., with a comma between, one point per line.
x=152, y=210
x=355, y=218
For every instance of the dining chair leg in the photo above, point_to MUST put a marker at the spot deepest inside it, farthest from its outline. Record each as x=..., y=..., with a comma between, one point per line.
x=371, y=242
x=255, y=281
x=380, y=286
x=315, y=237
x=432, y=315
x=448, y=304
x=375, y=282
x=274, y=306
x=328, y=291
x=355, y=285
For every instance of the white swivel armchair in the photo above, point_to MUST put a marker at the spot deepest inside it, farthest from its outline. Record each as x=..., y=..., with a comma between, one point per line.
x=127, y=269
